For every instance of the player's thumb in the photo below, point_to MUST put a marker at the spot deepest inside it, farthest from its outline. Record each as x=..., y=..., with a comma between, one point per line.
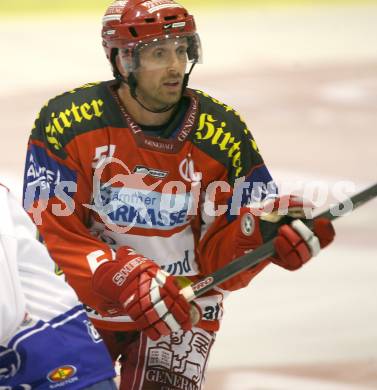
x=324, y=230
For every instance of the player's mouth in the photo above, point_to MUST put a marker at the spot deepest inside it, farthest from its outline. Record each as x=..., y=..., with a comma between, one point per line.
x=172, y=85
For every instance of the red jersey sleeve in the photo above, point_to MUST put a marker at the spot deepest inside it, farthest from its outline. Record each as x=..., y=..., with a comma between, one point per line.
x=56, y=196
x=247, y=179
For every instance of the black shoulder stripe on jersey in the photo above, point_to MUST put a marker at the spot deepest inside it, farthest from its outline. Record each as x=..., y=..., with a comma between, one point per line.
x=223, y=135
x=75, y=112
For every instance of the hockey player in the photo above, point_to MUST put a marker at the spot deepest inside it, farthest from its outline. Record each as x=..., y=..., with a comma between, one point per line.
x=46, y=339
x=139, y=182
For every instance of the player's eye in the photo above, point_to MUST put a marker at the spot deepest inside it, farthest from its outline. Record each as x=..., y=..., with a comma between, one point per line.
x=159, y=54
x=181, y=51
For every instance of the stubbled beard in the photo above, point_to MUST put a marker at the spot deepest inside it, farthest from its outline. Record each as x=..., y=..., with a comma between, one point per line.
x=155, y=102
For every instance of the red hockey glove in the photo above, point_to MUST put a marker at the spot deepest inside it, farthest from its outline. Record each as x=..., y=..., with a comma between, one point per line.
x=294, y=242
x=148, y=294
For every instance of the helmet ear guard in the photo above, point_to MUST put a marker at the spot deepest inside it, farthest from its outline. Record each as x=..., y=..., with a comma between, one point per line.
x=130, y=79
x=129, y=61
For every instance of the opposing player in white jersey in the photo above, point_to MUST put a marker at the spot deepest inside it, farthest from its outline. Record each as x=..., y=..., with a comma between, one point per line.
x=46, y=339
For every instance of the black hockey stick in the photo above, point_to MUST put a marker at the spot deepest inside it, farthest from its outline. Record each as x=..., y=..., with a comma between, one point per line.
x=266, y=250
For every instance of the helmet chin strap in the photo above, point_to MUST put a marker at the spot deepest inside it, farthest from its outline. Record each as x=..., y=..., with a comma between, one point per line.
x=132, y=83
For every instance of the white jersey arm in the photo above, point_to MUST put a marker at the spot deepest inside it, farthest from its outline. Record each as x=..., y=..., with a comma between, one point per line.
x=12, y=300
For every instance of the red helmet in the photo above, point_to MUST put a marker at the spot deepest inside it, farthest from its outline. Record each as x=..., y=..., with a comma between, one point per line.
x=134, y=23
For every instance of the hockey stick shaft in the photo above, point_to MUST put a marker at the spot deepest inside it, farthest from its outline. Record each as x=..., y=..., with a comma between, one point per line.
x=266, y=250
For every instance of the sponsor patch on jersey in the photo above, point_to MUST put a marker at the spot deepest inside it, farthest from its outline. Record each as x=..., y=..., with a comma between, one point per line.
x=144, y=209
x=79, y=114
x=223, y=134
x=150, y=171
x=45, y=177
x=61, y=374
x=185, y=266
x=247, y=224
x=214, y=131
x=211, y=307
x=163, y=363
x=188, y=172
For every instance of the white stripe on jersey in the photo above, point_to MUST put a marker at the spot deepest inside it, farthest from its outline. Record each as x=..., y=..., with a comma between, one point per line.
x=175, y=253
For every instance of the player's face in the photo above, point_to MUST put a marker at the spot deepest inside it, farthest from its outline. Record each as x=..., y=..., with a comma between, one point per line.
x=161, y=72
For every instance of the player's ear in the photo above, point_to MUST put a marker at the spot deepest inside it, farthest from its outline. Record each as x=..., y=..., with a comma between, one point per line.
x=123, y=63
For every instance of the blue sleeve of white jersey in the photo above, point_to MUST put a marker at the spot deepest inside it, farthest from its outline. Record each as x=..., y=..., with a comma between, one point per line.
x=66, y=352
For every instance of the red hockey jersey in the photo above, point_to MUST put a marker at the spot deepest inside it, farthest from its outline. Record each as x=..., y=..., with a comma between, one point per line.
x=95, y=181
